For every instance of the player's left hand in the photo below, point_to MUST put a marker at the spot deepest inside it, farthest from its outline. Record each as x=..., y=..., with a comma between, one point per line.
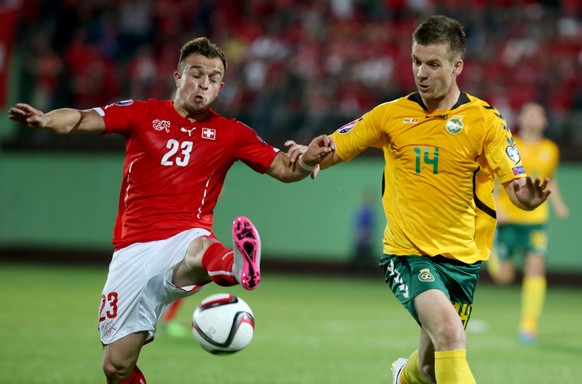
x=318, y=149
x=531, y=193
x=294, y=151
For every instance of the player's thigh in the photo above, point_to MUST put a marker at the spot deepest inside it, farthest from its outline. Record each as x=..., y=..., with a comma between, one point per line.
x=506, y=274
x=461, y=282
x=537, y=238
x=410, y=276
x=534, y=265
x=123, y=353
x=139, y=287
x=440, y=320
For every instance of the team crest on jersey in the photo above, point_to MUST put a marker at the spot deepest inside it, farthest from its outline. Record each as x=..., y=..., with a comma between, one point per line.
x=348, y=127
x=455, y=124
x=425, y=275
x=161, y=125
x=124, y=103
x=209, y=133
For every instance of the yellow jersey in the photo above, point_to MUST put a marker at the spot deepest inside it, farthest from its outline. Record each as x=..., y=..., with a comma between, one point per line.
x=540, y=159
x=439, y=173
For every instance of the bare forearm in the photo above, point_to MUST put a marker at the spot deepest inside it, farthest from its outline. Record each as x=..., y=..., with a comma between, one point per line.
x=558, y=203
x=68, y=120
x=283, y=170
x=61, y=121
x=330, y=161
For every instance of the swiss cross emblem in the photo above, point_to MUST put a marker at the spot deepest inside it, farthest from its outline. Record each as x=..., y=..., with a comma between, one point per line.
x=209, y=133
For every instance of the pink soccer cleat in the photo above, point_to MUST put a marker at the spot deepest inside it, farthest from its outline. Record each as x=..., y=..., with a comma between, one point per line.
x=247, y=253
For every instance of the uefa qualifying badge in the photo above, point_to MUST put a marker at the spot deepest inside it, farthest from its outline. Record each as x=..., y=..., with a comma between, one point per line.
x=425, y=275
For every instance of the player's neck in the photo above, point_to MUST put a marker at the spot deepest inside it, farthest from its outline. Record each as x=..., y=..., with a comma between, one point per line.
x=193, y=115
x=444, y=103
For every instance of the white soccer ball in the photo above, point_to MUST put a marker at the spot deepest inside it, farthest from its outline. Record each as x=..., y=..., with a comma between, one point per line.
x=223, y=324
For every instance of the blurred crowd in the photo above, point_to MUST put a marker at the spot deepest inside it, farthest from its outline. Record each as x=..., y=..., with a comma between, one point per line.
x=297, y=68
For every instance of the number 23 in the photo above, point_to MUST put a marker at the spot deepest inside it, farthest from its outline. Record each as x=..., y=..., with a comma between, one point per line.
x=174, y=146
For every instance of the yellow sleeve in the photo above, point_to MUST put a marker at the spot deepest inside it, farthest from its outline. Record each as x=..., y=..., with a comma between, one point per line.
x=358, y=135
x=501, y=151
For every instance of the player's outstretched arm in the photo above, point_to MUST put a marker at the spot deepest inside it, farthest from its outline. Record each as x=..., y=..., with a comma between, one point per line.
x=62, y=121
x=526, y=193
x=558, y=203
x=301, y=160
x=308, y=152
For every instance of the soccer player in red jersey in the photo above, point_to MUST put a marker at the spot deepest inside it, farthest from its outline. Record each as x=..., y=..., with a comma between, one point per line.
x=178, y=153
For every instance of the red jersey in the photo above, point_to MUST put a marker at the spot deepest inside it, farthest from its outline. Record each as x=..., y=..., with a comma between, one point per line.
x=174, y=168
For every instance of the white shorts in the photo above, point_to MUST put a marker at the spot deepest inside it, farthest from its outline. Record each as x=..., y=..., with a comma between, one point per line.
x=139, y=286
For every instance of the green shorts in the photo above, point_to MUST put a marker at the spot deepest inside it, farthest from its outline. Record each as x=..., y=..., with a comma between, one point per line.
x=518, y=239
x=409, y=276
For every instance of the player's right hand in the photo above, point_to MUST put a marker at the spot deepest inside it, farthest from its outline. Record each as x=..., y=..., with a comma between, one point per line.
x=27, y=115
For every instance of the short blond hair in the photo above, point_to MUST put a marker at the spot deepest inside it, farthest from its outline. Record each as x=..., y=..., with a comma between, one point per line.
x=202, y=46
x=439, y=29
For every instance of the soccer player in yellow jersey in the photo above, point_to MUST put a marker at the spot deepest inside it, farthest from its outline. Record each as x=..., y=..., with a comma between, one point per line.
x=525, y=233
x=442, y=149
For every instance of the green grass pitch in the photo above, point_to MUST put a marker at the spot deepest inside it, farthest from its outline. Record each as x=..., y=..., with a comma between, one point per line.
x=308, y=330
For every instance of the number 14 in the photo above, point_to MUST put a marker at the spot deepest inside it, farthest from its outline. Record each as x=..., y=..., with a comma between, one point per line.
x=427, y=158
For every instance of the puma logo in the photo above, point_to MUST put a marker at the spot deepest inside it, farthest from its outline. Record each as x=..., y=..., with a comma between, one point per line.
x=188, y=130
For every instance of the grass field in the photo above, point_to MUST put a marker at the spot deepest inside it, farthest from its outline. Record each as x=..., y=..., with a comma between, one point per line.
x=308, y=330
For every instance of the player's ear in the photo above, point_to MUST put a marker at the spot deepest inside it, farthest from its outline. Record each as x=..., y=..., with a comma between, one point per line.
x=177, y=78
x=457, y=67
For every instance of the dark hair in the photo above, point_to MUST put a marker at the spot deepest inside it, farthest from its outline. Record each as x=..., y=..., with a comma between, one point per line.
x=202, y=46
x=439, y=29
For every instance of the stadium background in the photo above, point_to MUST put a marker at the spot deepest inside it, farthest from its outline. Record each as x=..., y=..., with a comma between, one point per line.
x=296, y=69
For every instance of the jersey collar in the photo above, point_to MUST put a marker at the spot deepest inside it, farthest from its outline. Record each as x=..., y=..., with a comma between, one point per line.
x=415, y=97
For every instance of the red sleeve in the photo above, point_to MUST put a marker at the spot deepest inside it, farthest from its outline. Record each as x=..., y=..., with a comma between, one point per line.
x=253, y=150
x=122, y=116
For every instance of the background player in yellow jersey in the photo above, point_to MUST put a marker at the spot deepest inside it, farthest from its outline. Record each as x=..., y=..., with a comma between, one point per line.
x=442, y=149
x=525, y=233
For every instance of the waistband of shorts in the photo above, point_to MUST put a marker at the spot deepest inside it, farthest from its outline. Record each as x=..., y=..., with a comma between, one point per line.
x=440, y=260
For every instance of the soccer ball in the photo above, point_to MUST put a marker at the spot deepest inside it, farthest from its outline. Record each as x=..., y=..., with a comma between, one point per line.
x=223, y=324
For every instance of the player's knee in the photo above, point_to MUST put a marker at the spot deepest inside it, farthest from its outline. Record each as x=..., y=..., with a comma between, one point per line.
x=196, y=249
x=451, y=336
x=117, y=371
x=534, y=265
x=505, y=278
